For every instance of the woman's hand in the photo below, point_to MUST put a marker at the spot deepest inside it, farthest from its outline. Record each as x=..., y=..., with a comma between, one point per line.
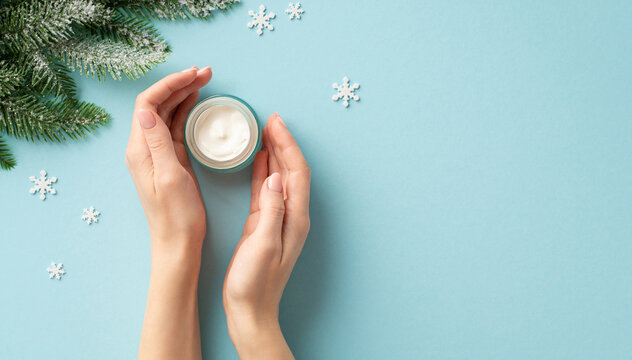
x=159, y=164
x=272, y=240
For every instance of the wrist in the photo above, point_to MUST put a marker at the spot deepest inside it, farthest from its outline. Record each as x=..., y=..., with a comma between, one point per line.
x=175, y=256
x=258, y=338
x=176, y=248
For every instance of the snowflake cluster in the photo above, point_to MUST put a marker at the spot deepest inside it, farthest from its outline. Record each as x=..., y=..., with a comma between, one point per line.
x=261, y=20
x=43, y=185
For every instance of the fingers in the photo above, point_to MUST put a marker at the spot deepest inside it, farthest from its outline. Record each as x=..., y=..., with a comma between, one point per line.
x=158, y=139
x=296, y=178
x=272, y=209
x=284, y=145
x=293, y=164
x=167, y=108
x=159, y=92
x=273, y=164
x=259, y=174
x=177, y=130
x=138, y=153
x=180, y=116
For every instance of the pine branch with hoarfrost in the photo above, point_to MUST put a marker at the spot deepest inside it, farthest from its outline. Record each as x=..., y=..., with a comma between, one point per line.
x=173, y=9
x=96, y=57
x=28, y=117
x=42, y=42
x=7, y=161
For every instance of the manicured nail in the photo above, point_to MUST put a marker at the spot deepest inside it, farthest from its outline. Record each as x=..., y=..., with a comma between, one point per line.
x=146, y=119
x=274, y=183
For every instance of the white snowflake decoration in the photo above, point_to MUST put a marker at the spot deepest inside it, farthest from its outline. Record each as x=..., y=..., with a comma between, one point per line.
x=261, y=19
x=295, y=11
x=90, y=215
x=345, y=91
x=43, y=185
x=55, y=271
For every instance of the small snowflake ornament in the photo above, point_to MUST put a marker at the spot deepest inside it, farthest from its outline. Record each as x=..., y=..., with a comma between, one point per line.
x=43, y=185
x=295, y=11
x=345, y=92
x=55, y=271
x=90, y=215
x=261, y=20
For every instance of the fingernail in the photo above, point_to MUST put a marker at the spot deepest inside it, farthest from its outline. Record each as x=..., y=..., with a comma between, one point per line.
x=189, y=69
x=146, y=119
x=274, y=183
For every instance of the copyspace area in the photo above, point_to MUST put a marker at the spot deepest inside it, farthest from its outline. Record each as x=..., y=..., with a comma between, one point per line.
x=476, y=203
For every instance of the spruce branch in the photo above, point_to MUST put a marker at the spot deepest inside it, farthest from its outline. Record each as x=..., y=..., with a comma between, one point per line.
x=29, y=118
x=7, y=161
x=41, y=23
x=171, y=9
x=11, y=78
x=42, y=41
x=48, y=76
x=97, y=57
x=135, y=32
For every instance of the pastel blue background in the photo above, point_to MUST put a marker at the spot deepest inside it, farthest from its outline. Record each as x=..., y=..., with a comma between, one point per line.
x=475, y=204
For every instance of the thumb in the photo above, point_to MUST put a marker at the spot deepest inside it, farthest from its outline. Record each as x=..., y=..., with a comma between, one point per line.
x=271, y=206
x=158, y=138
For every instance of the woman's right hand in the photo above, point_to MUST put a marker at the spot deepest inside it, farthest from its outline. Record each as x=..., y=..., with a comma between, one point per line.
x=272, y=240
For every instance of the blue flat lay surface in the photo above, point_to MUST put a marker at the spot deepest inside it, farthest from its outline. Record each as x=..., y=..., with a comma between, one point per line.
x=476, y=203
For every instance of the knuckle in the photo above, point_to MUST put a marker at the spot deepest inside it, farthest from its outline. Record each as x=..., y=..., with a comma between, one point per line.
x=306, y=172
x=269, y=248
x=303, y=225
x=276, y=210
x=140, y=97
x=130, y=158
x=156, y=144
x=307, y=223
x=168, y=180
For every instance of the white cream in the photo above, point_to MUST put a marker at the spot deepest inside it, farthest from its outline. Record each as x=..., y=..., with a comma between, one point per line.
x=222, y=132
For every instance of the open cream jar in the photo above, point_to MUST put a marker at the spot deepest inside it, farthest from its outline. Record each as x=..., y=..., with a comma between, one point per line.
x=222, y=133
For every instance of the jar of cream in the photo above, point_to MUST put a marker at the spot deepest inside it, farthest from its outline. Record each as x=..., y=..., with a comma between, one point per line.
x=222, y=133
